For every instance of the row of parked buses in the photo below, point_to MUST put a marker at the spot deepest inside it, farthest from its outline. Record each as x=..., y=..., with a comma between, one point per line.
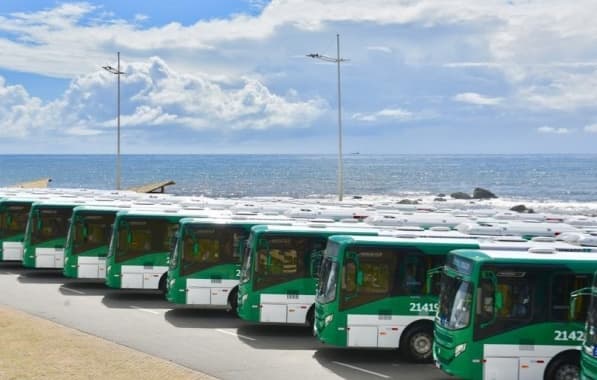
x=479, y=306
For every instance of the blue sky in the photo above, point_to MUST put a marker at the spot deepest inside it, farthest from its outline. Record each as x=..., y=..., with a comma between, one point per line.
x=231, y=76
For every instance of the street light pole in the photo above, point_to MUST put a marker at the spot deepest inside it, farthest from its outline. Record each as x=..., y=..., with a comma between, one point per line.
x=117, y=72
x=336, y=60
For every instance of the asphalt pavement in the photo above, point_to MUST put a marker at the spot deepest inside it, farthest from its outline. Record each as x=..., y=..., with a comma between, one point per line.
x=209, y=341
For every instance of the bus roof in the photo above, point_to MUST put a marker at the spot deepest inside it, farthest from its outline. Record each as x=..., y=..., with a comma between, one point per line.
x=543, y=256
x=171, y=212
x=483, y=243
x=318, y=228
x=235, y=219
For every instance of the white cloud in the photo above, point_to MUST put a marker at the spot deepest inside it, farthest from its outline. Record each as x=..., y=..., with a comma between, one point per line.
x=18, y=111
x=153, y=94
x=552, y=130
x=385, y=114
x=590, y=128
x=478, y=99
x=383, y=49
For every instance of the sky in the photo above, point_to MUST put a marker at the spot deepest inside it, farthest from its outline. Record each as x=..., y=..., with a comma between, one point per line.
x=233, y=76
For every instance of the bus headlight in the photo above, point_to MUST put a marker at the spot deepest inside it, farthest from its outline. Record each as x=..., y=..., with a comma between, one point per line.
x=459, y=349
x=328, y=319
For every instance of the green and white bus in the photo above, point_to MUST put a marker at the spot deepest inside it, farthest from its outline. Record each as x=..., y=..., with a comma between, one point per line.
x=205, y=264
x=140, y=247
x=381, y=292
x=279, y=264
x=88, y=241
x=14, y=213
x=374, y=292
x=506, y=314
x=46, y=233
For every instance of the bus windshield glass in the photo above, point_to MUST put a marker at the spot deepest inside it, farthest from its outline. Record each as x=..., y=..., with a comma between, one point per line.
x=591, y=339
x=207, y=246
x=13, y=220
x=328, y=281
x=455, y=302
x=281, y=259
x=139, y=237
x=49, y=223
x=245, y=270
x=91, y=231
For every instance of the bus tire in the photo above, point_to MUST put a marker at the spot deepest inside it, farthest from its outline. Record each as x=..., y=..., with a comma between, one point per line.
x=310, y=319
x=565, y=366
x=233, y=302
x=416, y=343
x=162, y=285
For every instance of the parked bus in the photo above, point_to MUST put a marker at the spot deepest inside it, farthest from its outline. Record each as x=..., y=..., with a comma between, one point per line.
x=506, y=314
x=277, y=277
x=388, y=288
x=46, y=233
x=141, y=244
x=205, y=264
x=14, y=212
x=88, y=240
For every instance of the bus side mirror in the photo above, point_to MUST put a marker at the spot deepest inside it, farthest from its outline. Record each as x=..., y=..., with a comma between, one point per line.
x=499, y=300
x=85, y=231
x=360, y=277
x=195, y=249
x=573, y=310
x=429, y=278
x=316, y=258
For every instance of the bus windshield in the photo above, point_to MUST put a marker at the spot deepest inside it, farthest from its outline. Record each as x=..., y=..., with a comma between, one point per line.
x=49, y=223
x=245, y=270
x=91, y=231
x=139, y=237
x=328, y=281
x=281, y=259
x=13, y=220
x=455, y=302
x=591, y=339
x=207, y=246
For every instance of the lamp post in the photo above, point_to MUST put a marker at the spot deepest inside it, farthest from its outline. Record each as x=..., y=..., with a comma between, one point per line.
x=336, y=60
x=117, y=72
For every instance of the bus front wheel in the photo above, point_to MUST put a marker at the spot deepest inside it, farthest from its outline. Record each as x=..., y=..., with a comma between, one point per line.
x=565, y=367
x=417, y=343
x=163, y=284
x=233, y=301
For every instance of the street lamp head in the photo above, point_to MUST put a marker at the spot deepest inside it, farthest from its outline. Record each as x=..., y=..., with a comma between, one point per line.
x=112, y=70
x=313, y=55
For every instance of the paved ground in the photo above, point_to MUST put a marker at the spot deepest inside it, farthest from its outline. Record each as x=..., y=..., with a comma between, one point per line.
x=210, y=341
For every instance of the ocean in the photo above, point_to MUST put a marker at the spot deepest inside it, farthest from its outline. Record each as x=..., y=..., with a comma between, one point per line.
x=537, y=177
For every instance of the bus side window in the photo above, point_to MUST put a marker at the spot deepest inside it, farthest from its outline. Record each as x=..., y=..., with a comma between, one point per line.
x=485, y=302
x=561, y=287
x=349, y=275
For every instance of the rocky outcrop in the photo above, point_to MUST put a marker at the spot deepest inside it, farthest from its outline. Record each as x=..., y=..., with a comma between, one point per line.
x=480, y=193
x=460, y=195
x=408, y=202
x=522, y=209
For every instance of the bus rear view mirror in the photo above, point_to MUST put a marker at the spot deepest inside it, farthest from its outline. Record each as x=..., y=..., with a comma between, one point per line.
x=360, y=278
x=316, y=258
x=499, y=300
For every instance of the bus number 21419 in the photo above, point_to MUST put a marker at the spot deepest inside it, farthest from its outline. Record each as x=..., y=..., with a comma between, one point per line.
x=418, y=307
